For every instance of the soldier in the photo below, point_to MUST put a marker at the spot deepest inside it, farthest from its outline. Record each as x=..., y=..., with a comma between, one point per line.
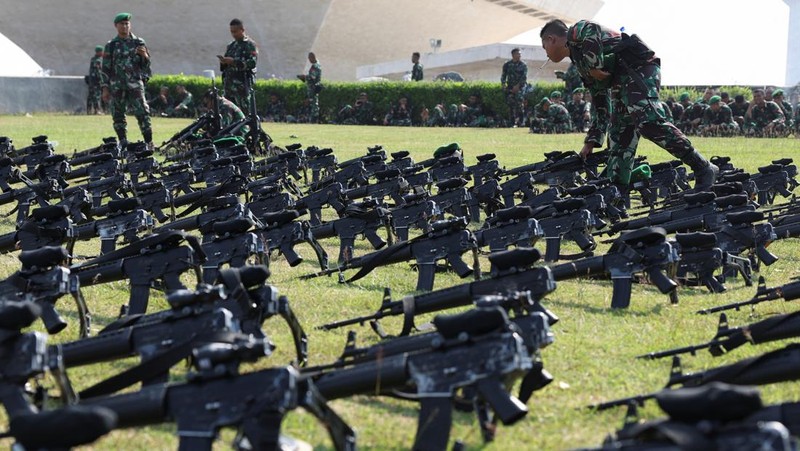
x=94, y=99
x=276, y=110
x=183, y=105
x=513, y=81
x=693, y=117
x=631, y=80
x=579, y=111
x=556, y=119
x=238, y=67
x=416, y=71
x=718, y=119
x=555, y=97
x=313, y=82
x=229, y=113
x=303, y=113
x=400, y=113
x=162, y=102
x=476, y=113
x=126, y=70
x=786, y=107
x=738, y=108
x=435, y=118
x=763, y=117
x=572, y=79
x=362, y=112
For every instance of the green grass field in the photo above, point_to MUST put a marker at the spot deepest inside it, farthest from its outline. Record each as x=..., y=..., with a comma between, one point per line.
x=591, y=359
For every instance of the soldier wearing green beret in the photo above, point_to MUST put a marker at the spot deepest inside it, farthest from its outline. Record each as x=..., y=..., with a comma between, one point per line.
x=718, y=119
x=126, y=70
x=94, y=99
x=238, y=66
x=229, y=113
x=579, y=111
x=786, y=107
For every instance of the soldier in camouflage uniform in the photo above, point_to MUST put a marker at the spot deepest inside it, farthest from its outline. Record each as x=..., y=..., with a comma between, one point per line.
x=557, y=119
x=572, y=79
x=362, y=112
x=416, y=71
x=476, y=113
x=624, y=78
x=126, y=69
x=718, y=119
x=786, y=107
x=276, y=110
x=238, y=67
x=739, y=108
x=400, y=113
x=303, y=113
x=693, y=117
x=513, y=81
x=764, y=118
x=94, y=99
x=579, y=111
x=183, y=105
x=436, y=117
x=229, y=113
x=313, y=82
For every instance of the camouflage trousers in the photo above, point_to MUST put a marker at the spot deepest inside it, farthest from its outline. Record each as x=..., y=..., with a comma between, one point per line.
x=718, y=130
x=313, y=98
x=236, y=91
x=545, y=126
x=514, y=100
x=778, y=130
x=94, y=100
x=636, y=111
x=121, y=99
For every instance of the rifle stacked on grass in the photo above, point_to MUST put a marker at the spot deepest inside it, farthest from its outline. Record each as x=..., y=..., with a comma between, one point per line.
x=283, y=231
x=358, y=219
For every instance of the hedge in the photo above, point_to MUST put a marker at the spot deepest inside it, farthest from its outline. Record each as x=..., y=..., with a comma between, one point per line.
x=384, y=94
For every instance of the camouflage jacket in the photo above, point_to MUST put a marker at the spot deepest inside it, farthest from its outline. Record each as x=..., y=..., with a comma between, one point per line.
x=514, y=73
x=577, y=110
x=276, y=110
x=95, y=70
x=739, y=110
x=416, y=72
x=185, y=101
x=696, y=111
x=229, y=113
x=365, y=113
x=572, y=79
x=122, y=67
x=761, y=116
x=719, y=117
x=314, y=75
x=786, y=107
x=245, y=57
x=558, y=116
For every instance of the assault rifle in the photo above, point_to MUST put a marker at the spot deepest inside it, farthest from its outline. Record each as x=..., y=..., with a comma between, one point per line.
x=110, y=145
x=40, y=193
x=218, y=171
x=416, y=210
x=487, y=168
x=266, y=199
x=787, y=226
x=125, y=218
x=47, y=226
x=363, y=218
x=478, y=352
x=513, y=226
x=95, y=167
x=255, y=402
x=778, y=327
x=774, y=179
x=447, y=240
x=452, y=196
x=322, y=163
x=160, y=257
x=142, y=164
x=507, y=277
x=153, y=195
x=700, y=255
x=216, y=209
x=520, y=183
x=177, y=178
x=43, y=279
x=116, y=187
x=486, y=197
x=282, y=232
x=400, y=160
x=233, y=244
x=741, y=235
x=570, y=221
x=325, y=192
x=54, y=167
x=372, y=161
x=417, y=178
x=181, y=139
x=234, y=186
x=388, y=183
x=788, y=292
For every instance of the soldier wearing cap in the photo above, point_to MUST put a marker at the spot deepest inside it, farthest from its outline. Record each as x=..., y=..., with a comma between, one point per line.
x=718, y=119
x=94, y=98
x=579, y=111
x=786, y=107
x=126, y=70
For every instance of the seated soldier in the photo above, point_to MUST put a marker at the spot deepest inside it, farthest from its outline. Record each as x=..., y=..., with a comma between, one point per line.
x=693, y=117
x=476, y=113
x=739, y=107
x=362, y=112
x=400, y=113
x=557, y=119
x=683, y=106
x=718, y=119
x=763, y=117
x=579, y=111
x=183, y=106
x=786, y=107
x=161, y=102
x=275, y=110
x=303, y=113
x=229, y=113
x=438, y=117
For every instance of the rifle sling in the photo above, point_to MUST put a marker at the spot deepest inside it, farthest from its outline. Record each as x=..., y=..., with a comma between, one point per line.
x=135, y=248
x=378, y=258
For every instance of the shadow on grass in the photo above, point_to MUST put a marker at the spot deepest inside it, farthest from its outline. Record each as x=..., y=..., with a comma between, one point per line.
x=656, y=309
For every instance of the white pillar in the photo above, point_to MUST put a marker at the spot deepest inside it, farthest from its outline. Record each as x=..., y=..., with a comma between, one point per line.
x=793, y=46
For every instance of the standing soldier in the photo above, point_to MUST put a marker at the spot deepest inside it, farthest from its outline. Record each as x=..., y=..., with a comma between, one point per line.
x=126, y=69
x=513, y=81
x=624, y=78
x=572, y=79
x=313, y=86
x=238, y=67
x=94, y=99
x=416, y=71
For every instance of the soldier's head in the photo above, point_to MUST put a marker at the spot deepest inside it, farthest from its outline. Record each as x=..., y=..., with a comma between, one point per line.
x=715, y=103
x=739, y=99
x=273, y=97
x=555, y=96
x=415, y=57
x=474, y=98
x=725, y=97
x=122, y=22
x=684, y=98
x=577, y=95
x=768, y=93
x=98, y=50
x=546, y=104
x=164, y=90
x=515, y=55
x=709, y=92
x=312, y=58
x=208, y=98
x=554, y=40
x=758, y=97
x=237, y=29
x=181, y=89
x=777, y=95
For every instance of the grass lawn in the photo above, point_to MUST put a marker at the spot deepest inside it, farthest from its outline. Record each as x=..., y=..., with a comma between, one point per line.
x=591, y=359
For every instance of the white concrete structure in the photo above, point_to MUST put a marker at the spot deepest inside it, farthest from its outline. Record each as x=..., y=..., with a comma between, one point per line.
x=16, y=63
x=793, y=49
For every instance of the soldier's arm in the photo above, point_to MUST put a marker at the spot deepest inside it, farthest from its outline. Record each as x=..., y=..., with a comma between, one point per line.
x=601, y=103
x=504, y=76
x=777, y=113
x=248, y=61
x=106, y=69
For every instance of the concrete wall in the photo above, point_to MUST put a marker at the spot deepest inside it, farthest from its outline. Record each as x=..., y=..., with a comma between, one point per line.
x=42, y=94
x=793, y=47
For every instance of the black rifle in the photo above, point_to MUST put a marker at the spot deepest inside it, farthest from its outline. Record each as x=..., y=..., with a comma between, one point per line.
x=322, y=163
x=255, y=402
x=363, y=218
x=266, y=199
x=40, y=193
x=520, y=183
x=513, y=226
x=507, y=277
x=283, y=232
x=774, y=179
x=487, y=168
x=699, y=255
x=741, y=235
x=115, y=187
x=47, y=226
x=388, y=183
x=787, y=226
x=177, y=178
x=153, y=196
x=453, y=197
x=43, y=279
x=217, y=171
x=222, y=208
x=788, y=292
x=159, y=257
x=179, y=140
x=571, y=221
x=416, y=178
x=142, y=164
x=125, y=218
x=478, y=352
x=400, y=160
x=417, y=210
x=234, y=245
x=326, y=192
x=372, y=161
x=95, y=167
x=293, y=160
x=258, y=141
x=234, y=186
x=447, y=240
x=486, y=197
x=54, y=167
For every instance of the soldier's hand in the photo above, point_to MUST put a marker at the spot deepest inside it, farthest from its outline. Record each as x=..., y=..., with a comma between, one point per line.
x=142, y=51
x=226, y=60
x=599, y=74
x=515, y=89
x=106, y=95
x=586, y=150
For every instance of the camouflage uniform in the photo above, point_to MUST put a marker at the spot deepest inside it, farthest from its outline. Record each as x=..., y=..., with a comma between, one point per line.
x=275, y=112
x=786, y=107
x=557, y=120
x=437, y=117
x=313, y=79
x=739, y=109
x=667, y=111
x=399, y=115
x=229, y=113
x=515, y=74
x=477, y=115
x=184, y=106
x=722, y=118
x=237, y=75
x=363, y=114
x=626, y=103
x=572, y=79
x=159, y=105
x=576, y=112
x=416, y=72
x=94, y=99
x=693, y=118
x=761, y=116
x=124, y=74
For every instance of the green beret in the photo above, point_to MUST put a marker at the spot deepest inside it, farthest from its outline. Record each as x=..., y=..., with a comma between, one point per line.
x=684, y=96
x=777, y=92
x=446, y=150
x=577, y=91
x=555, y=94
x=98, y=48
x=121, y=16
x=714, y=99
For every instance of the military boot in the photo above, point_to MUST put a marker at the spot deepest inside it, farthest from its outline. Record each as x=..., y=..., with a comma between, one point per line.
x=705, y=173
